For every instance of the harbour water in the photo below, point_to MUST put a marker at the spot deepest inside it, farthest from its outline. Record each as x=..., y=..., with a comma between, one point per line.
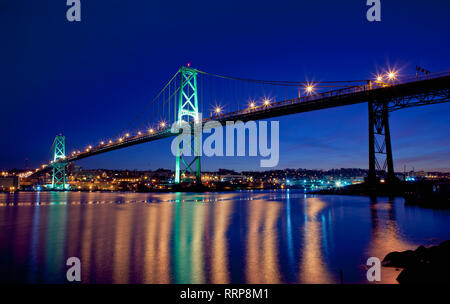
x=235, y=237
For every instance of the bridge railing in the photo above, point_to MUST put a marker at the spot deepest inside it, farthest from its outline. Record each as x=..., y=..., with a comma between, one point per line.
x=371, y=85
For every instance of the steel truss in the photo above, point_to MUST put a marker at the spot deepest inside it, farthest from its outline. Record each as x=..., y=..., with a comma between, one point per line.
x=380, y=148
x=58, y=164
x=188, y=112
x=419, y=100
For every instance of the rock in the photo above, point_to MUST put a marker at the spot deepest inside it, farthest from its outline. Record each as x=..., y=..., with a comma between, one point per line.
x=399, y=259
x=423, y=265
x=421, y=274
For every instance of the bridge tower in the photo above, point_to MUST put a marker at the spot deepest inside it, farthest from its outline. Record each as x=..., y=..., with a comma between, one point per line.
x=188, y=112
x=380, y=149
x=59, y=165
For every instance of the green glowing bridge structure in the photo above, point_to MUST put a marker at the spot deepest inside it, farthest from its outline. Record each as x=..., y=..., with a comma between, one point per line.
x=184, y=98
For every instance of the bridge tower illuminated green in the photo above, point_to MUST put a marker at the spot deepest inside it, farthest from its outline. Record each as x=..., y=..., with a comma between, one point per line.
x=59, y=165
x=188, y=112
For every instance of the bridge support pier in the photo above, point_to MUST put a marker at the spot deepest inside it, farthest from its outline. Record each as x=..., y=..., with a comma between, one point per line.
x=188, y=112
x=380, y=148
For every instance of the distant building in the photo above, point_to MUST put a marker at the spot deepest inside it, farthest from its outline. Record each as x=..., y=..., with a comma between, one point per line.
x=232, y=177
x=8, y=183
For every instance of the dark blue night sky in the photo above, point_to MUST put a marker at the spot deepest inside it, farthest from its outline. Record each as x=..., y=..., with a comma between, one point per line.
x=88, y=79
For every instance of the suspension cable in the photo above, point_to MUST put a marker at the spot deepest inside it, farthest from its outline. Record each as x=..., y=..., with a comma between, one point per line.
x=280, y=82
x=146, y=108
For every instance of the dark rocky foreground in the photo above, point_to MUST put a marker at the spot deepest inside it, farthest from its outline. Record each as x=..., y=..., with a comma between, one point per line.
x=423, y=265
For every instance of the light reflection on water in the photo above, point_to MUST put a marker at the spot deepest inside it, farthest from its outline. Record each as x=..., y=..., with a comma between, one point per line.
x=236, y=237
x=313, y=268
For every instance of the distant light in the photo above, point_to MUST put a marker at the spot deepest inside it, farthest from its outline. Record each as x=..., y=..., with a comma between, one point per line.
x=102, y=143
x=127, y=135
x=379, y=78
x=188, y=64
x=252, y=105
x=110, y=141
x=218, y=110
x=163, y=124
x=139, y=133
x=266, y=102
x=151, y=130
x=90, y=147
x=120, y=139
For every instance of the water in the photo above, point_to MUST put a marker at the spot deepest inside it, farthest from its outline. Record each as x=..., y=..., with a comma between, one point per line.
x=241, y=237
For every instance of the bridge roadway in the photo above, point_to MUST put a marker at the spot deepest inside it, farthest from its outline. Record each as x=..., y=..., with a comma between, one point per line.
x=412, y=88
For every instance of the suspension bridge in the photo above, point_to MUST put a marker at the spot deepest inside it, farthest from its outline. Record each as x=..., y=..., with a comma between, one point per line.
x=190, y=93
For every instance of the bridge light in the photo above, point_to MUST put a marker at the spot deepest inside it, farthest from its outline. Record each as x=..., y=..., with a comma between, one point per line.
x=90, y=147
x=252, y=105
x=218, y=110
x=110, y=141
x=139, y=133
x=127, y=135
x=150, y=131
x=266, y=102
x=120, y=139
x=392, y=75
x=162, y=124
x=379, y=78
x=309, y=88
x=102, y=143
